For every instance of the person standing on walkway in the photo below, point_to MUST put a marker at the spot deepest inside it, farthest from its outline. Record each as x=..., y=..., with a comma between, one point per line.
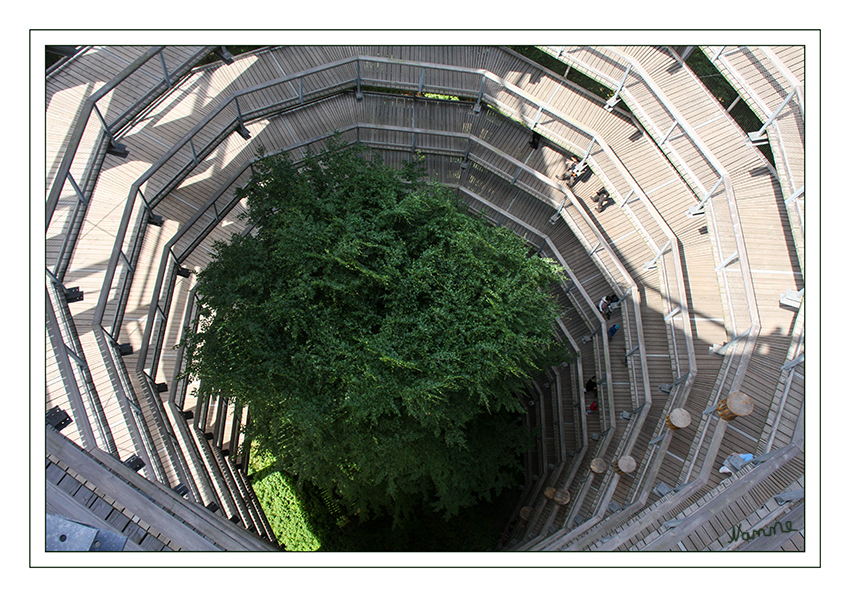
x=613, y=330
x=604, y=307
x=570, y=175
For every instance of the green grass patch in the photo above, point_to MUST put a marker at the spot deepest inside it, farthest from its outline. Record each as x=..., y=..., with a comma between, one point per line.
x=440, y=96
x=286, y=506
x=412, y=93
x=306, y=519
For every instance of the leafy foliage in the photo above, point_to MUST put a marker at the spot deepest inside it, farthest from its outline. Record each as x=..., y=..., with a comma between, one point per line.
x=377, y=332
x=304, y=519
x=284, y=506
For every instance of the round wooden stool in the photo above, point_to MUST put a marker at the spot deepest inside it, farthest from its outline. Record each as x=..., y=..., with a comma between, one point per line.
x=526, y=513
x=562, y=497
x=549, y=493
x=597, y=465
x=736, y=404
x=624, y=465
x=678, y=418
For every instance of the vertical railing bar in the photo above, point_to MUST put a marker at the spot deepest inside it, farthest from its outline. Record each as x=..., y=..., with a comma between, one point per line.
x=194, y=154
x=78, y=190
x=480, y=94
x=106, y=128
x=773, y=117
x=578, y=168
x=669, y=131
x=164, y=69
x=717, y=53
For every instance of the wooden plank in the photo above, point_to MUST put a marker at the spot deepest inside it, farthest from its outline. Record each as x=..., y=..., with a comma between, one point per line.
x=158, y=513
x=60, y=503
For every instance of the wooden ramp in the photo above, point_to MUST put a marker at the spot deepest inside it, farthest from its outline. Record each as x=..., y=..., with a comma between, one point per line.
x=771, y=81
x=151, y=516
x=663, y=80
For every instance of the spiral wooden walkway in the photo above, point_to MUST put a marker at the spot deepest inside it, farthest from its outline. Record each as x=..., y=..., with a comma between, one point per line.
x=697, y=238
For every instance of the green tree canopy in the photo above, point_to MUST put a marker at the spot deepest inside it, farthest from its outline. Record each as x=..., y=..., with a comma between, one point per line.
x=377, y=332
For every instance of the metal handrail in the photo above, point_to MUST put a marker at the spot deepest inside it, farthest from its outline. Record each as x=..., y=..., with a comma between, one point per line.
x=637, y=71
x=239, y=172
x=107, y=135
x=168, y=254
x=634, y=189
x=88, y=108
x=609, y=421
x=63, y=359
x=84, y=387
x=796, y=89
x=691, y=374
x=119, y=253
x=198, y=127
x=778, y=144
x=747, y=282
x=151, y=201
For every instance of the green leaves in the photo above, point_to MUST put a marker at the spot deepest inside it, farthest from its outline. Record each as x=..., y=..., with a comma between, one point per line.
x=376, y=332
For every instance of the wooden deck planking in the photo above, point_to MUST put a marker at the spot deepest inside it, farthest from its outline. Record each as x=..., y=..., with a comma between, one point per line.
x=86, y=269
x=610, y=208
x=57, y=395
x=65, y=102
x=793, y=57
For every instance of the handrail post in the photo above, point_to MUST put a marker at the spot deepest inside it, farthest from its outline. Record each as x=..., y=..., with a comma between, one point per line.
x=580, y=166
x=759, y=135
x=477, y=107
x=718, y=53
x=557, y=213
x=651, y=264
x=614, y=99
x=793, y=363
x=241, y=129
x=194, y=153
x=669, y=132
x=78, y=190
x=359, y=93
x=238, y=110
x=795, y=195
x=103, y=122
x=164, y=69
x=697, y=210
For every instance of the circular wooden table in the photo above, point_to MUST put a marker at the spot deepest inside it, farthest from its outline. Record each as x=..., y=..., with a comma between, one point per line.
x=562, y=497
x=736, y=404
x=526, y=513
x=624, y=465
x=678, y=418
x=597, y=465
